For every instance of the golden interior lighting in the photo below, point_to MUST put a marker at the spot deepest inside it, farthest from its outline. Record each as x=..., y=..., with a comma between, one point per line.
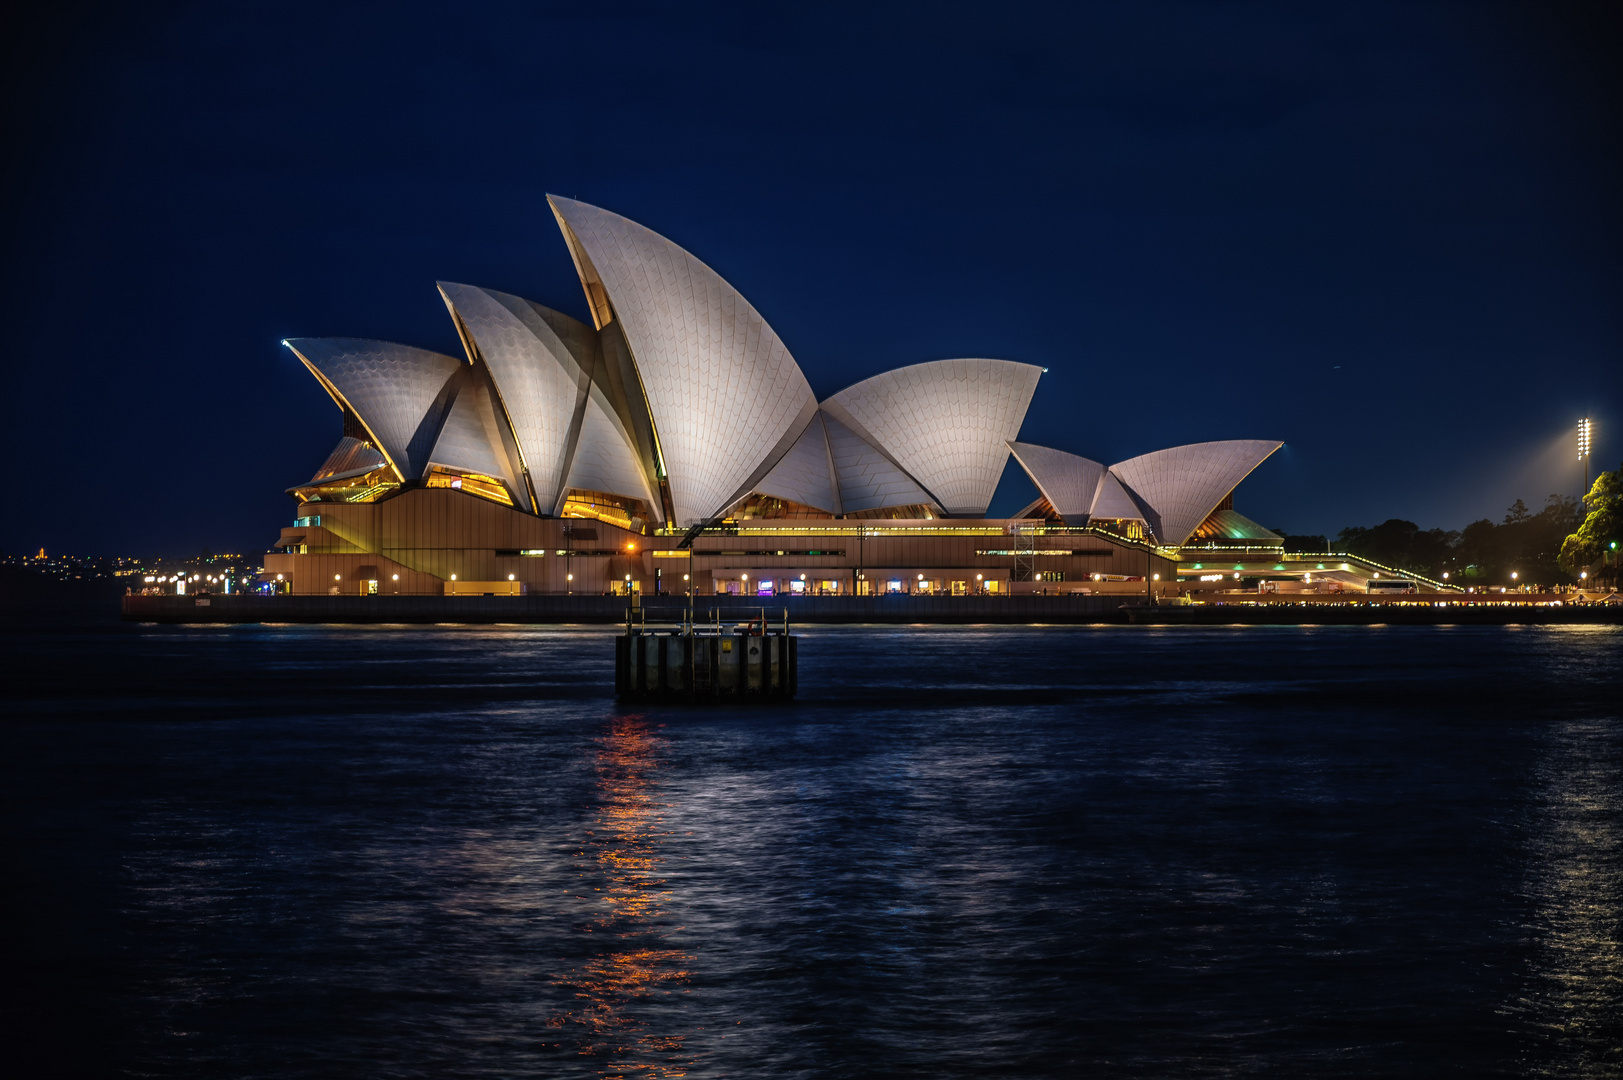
x=365, y=488
x=485, y=487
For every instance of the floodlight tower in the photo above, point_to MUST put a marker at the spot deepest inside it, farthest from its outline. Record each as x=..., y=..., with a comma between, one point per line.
x=1585, y=429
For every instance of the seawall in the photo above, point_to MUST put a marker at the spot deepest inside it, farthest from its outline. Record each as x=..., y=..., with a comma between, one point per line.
x=606, y=610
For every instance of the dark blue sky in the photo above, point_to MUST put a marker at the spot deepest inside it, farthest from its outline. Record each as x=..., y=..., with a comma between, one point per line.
x=1387, y=234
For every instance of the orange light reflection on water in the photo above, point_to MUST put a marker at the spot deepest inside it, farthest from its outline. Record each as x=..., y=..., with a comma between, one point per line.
x=633, y=972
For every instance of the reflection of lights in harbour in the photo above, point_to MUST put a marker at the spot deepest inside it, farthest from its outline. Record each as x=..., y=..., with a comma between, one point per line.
x=632, y=973
x=1576, y=850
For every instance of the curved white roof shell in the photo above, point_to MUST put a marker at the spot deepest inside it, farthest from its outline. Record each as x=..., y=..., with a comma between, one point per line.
x=947, y=423
x=1113, y=503
x=806, y=473
x=540, y=361
x=391, y=388
x=866, y=479
x=470, y=440
x=603, y=458
x=724, y=393
x=1183, y=485
x=1068, y=481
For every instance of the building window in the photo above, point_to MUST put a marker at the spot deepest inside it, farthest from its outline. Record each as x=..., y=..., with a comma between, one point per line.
x=486, y=487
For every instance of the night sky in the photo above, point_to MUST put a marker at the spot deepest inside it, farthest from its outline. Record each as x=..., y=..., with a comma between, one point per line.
x=1387, y=234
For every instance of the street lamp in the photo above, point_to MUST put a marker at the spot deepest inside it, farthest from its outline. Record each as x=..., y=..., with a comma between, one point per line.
x=1585, y=440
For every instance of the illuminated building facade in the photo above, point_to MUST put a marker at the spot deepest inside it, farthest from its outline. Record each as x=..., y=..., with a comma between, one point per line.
x=674, y=444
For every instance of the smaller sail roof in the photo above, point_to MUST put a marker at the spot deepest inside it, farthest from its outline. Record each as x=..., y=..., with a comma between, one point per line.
x=1113, y=503
x=393, y=390
x=805, y=474
x=470, y=440
x=603, y=459
x=867, y=479
x=947, y=423
x=1068, y=481
x=541, y=362
x=1182, y=486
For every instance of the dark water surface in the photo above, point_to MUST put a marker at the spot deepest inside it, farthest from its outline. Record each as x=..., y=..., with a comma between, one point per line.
x=244, y=851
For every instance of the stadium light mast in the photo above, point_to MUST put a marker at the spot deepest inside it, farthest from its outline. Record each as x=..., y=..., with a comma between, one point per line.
x=1585, y=430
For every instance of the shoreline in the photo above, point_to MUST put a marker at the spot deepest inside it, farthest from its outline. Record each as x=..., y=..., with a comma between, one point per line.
x=894, y=610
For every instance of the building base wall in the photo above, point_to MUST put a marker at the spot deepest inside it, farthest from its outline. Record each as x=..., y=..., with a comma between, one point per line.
x=611, y=610
x=1024, y=610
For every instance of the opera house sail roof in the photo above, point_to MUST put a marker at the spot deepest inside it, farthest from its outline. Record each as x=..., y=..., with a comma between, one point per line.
x=678, y=405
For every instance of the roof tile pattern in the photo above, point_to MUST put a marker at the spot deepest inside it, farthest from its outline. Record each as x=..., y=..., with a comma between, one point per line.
x=537, y=371
x=1112, y=503
x=390, y=387
x=803, y=473
x=1184, y=484
x=721, y=386
x=947, y=422
x=1068, y=481
x=471, y=441
x=867, y=479
x=603, y=458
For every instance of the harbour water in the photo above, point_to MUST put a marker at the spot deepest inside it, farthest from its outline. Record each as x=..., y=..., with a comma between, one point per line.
x=307, y=851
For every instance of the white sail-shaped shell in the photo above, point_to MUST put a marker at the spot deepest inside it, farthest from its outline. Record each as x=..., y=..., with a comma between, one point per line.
x=722, y=389
x=540, y=361
x=1184, y=484
x=867, y=479
x=1113, y=503
x=603, y=458
x=947, y=423
x=1068, y=481
x=805, y=474
x=392, y=388
x=470, y=440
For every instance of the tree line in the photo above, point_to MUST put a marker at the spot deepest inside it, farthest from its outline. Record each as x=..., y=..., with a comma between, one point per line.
x=1551, y=546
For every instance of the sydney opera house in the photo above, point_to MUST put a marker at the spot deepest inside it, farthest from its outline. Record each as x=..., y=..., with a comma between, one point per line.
x=675, y=445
